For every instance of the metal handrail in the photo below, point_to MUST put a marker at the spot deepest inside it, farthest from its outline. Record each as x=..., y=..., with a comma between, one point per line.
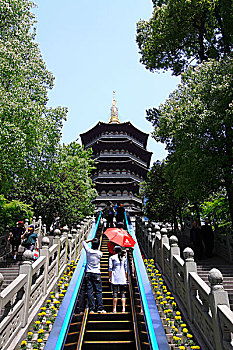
x=58, y=334
x=155, y=328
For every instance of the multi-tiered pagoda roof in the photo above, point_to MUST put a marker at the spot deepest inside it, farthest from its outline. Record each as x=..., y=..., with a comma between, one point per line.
x=122, y=161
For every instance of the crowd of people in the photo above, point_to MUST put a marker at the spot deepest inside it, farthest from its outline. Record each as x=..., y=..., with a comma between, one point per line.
x=26, y=238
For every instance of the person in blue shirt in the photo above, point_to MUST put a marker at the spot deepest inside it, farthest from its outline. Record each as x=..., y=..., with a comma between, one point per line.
x=93, y=276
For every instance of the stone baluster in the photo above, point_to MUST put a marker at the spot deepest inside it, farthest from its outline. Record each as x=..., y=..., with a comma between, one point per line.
x=82, y=230
x=148, y=240
x=34, y=221
x=57, y=240
x=40, y=225
x=156, y=247
x=26, y=268
x=26, y=224
x=152, y=244
x=218, y=296
x=44, y=230
x=79, y=242
x=189, y=266
x=164, y=240
x=44, y=251
x=75, y=237
x=65, y=231
x=70, y=246
x=174, y=250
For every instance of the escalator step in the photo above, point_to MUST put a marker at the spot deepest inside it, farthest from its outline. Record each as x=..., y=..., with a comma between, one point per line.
x=121, y=324
x=110, y=335
x=106, y=345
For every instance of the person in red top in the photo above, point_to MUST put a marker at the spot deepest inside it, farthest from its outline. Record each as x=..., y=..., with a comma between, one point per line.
x=111, y=246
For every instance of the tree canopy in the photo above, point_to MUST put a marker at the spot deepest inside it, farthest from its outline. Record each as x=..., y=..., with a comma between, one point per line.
x=184, y=32
x=196, y=124
x=35, y=168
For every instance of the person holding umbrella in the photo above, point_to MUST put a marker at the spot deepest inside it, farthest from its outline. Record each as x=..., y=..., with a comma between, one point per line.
x=118, y=275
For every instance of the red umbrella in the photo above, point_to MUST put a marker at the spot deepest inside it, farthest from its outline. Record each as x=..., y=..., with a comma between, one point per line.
x=120, y=237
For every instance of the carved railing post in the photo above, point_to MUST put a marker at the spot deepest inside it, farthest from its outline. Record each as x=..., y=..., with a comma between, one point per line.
x=44, y=251
x=57, y=241
x=218, y=296
x=65, y=231
x=174, y=250
x=75, y=237
x=79, y=234
x=26, y=268
x=164, y=240
x=189, y=266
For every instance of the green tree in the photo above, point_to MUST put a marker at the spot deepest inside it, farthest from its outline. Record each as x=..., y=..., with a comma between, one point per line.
x=11, y=212
x=196, y=125
x=29, y=131
x=67, y=190
x=162, y=203
x=184, y=32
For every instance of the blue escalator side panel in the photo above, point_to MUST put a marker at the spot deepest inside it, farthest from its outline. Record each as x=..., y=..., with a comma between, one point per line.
x=59, y=330
x=154, y=325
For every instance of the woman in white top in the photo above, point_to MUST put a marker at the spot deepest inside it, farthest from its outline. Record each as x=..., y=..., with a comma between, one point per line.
x=118, y=275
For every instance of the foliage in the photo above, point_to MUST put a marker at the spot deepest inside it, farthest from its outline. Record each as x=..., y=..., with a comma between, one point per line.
x=216, y=208
x=182, y=32
x=35, y=168
x=11, y=212
x=29, y=131
x=67, y=188
x=196, y=125
x=162, y=203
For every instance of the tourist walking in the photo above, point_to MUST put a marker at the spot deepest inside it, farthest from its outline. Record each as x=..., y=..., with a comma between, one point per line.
x=31, y=239
x=93, y=276
x=118, y=275
x=15, y=238
x=208, y=238
x=109, y=213
x=120, y=216
x=196, y=240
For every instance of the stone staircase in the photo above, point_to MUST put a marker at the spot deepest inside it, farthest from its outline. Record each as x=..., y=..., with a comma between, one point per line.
x=10, y=270
x=206, y=264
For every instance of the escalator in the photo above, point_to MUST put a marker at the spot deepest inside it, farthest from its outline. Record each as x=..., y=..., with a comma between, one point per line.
x=138, y=328
x=108, y=331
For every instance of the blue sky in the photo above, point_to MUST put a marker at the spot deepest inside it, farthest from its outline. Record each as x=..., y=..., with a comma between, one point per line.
x=90, y=48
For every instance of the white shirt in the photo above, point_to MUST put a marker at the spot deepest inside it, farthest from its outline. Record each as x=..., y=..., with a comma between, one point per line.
x=118, y=268
x=93, y=259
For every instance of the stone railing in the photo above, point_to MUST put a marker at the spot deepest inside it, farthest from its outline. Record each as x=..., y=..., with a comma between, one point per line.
x=223, y=242
x=207, y=308
x=21, y=300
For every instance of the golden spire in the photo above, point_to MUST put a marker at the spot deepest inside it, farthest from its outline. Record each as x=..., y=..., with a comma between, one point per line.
x=114, y=111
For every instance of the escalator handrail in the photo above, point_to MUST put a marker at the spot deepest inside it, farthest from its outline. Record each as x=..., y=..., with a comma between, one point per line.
x=58, y=334
x=155, y=328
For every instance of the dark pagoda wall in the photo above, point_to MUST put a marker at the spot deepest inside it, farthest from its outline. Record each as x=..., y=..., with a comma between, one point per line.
x=122, y=162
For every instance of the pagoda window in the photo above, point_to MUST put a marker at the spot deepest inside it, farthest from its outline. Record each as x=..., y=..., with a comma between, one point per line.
x=123, y=171
x=105, y=171
x=103, y=193
x=118, y=193
x=117, y=171
x=110, y=171
x=110, y=192
x=125, y=193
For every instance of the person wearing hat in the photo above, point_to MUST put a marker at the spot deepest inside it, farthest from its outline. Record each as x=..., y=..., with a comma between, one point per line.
x=32, y=239
x=118, y=275
x=15, y=238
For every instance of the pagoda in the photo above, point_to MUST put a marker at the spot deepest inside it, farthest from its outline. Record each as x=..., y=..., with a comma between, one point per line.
x=122, y=161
